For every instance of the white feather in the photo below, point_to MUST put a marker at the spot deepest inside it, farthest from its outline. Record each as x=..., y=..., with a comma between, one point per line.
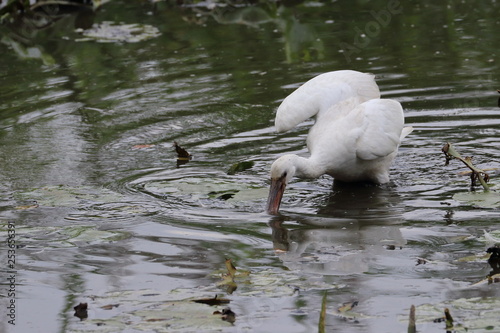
x=320, y=93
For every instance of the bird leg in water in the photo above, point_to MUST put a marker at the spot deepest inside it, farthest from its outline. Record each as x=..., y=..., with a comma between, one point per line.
x=477, y=174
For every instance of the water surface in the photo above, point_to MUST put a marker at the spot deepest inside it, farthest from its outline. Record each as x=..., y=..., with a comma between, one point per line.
x=87, y=130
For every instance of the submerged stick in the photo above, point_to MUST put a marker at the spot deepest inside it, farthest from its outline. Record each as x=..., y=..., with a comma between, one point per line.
x=412, y=327
x=449, y=318
x=322, y=315
x=480, y=174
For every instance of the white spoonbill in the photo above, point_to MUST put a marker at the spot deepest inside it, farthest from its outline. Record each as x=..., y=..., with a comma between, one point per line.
x=355, y=136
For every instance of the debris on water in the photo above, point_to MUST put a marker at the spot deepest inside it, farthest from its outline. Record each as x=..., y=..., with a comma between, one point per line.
x=223, y=195
x=110, y=306
x=470, y=320
x=111, y=32
x=226, y=196
x=487, y=199
x=230, y=267
x=347, y=306
x=345, y=311
x=33, y=205
x=477, y=174
x=491, y=238
x=240, y=166
x=183, y=156
x=181, y=152
x=228, y=279
x=212, y=301
x=421, y=261
x=184, y=308
x=451, y=326
x=227, y=315
x=142, y=146
x=81, y=311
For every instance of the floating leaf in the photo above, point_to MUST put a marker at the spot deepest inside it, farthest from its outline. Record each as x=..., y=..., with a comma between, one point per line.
x=240, y=166
x=480, y=199
x=227, y=315
x=81, y=311
x=347, y=306
x=34, y=205
x=230, y=267
x=181, y=152
x=223, y=195
x=228, y=279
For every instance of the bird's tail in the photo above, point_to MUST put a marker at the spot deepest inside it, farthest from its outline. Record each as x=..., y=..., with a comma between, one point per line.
x=406, y=130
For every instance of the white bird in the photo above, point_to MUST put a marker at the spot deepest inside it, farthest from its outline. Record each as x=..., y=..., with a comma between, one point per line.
x=355, y=137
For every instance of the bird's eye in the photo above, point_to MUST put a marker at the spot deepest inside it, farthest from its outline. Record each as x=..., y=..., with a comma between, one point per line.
x=284, y=175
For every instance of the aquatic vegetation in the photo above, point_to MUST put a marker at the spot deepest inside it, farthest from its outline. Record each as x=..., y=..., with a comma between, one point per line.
x=187, y=309
x=477, y=314
x=486, y=199
x=111, y=32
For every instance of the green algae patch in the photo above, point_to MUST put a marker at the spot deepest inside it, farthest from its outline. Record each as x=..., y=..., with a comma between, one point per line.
x=111, y=32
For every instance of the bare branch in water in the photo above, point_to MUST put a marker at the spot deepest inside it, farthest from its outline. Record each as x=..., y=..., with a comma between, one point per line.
x=477, y=174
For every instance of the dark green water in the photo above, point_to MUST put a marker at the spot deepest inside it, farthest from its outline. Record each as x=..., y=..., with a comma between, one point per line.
x=87, y=128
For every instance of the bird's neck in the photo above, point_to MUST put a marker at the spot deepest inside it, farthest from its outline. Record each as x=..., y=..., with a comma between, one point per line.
x=307, y=168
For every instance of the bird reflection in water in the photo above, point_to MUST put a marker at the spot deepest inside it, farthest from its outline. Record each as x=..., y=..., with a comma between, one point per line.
x=358, y=226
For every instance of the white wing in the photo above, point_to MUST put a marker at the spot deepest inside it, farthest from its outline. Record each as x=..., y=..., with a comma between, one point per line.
x=381, y=128
x=322, y=92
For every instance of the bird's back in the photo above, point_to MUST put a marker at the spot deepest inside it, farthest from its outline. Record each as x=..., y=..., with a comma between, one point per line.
x=357, y=142
x=321, y=92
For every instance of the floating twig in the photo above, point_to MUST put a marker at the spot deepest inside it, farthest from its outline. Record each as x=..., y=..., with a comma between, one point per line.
x=477, y=174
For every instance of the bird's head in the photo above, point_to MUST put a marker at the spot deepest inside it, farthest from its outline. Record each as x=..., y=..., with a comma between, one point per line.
x=282, y=171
